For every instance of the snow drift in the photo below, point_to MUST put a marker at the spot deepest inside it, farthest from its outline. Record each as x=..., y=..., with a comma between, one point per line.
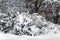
x=42, y=37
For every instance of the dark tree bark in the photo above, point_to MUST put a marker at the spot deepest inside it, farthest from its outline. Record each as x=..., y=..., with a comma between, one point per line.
x=57, y=16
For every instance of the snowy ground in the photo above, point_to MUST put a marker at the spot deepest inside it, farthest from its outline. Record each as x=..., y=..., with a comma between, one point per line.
x=43, y=37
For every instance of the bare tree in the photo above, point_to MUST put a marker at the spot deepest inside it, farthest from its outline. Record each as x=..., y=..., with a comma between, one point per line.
x=36, y=4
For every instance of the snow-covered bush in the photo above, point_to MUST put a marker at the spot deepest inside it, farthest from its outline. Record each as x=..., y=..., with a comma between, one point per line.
x=34, y=25
x=27, y=24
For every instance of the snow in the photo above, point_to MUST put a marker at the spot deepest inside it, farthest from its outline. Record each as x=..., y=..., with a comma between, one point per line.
x=24, y=37
x=9, y=37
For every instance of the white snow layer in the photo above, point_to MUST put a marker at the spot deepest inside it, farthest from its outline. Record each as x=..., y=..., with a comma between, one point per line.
x=43, y=37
